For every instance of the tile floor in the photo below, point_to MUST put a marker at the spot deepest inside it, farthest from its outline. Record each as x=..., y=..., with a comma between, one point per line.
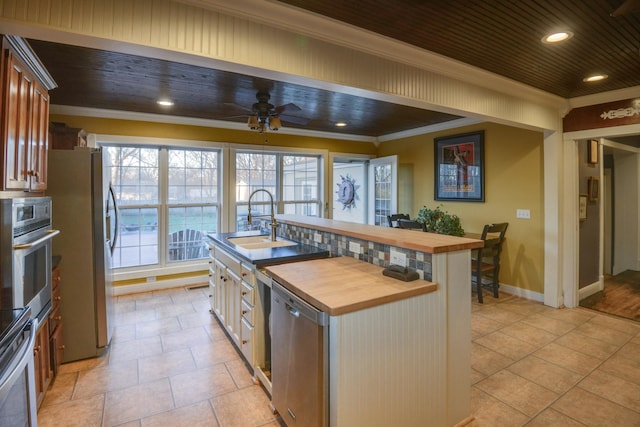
x=170, y=364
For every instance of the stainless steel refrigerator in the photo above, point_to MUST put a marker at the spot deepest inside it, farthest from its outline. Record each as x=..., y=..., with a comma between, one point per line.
x=84, y=210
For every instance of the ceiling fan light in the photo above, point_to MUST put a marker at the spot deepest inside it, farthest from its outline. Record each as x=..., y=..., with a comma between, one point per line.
x=274, y=123
x=557, y=37
x=594, y=78
x=253, y=123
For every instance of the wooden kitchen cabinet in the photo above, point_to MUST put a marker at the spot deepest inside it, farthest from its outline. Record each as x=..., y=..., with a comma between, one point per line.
x=56, y=340
x=24, y=114
x=42, y=365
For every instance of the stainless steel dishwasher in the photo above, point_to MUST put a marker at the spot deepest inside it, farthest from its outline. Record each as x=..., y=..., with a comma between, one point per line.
x=299, y=362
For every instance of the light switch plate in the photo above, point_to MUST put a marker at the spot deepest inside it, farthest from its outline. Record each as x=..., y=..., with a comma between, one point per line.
x=354, y=247
x=523, y=213
x=397, y=258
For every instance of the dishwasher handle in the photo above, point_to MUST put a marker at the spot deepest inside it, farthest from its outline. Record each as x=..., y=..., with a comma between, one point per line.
x=296, y=306
x=292, y=311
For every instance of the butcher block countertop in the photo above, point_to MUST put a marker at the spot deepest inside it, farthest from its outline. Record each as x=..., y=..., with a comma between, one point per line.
x=343, y=284
x=410, y=239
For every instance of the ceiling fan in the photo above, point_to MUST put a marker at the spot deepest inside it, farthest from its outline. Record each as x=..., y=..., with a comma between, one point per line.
x=263, y=115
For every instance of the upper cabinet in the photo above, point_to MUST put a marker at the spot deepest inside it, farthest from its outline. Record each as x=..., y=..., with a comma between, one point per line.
x=24, y=114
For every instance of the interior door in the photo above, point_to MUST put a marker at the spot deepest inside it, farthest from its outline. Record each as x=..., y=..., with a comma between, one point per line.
x=383, y=189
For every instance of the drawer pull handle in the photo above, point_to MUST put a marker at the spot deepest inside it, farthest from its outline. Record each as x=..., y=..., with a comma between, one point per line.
x=58, y=318
x=244, y=293
x=244, y=312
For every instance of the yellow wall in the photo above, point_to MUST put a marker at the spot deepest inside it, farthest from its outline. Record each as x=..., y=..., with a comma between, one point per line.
x=513, y=180
x=201, y=133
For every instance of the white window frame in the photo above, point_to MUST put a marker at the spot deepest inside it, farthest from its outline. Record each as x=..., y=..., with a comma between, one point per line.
x=164, y=267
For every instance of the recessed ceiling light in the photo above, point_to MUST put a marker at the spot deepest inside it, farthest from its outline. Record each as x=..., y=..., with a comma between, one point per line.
x=165, y=102
x=341, y=124
x=557, y=37
x=595, y=78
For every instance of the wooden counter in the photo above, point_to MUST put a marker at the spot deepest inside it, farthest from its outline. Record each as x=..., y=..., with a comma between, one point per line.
x=343, y=285
x=410, y=239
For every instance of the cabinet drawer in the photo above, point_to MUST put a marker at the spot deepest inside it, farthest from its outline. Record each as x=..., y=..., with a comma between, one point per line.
x=56, y=297
x=247, y=293
x=247, y=342
x=248, y=274
x=229, y=261
x=55, y=318
x=247, y=312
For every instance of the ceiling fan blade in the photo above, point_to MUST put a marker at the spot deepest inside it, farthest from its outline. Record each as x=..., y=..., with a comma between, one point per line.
x=629, y=6
x=294, y=119
x=239, y=107
x=289, y=108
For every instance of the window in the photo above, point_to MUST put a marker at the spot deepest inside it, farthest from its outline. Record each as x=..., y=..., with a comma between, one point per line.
x=168, y=200
x=293, y=180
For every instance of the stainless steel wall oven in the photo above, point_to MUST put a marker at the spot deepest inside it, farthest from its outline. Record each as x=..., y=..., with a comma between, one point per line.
x=25, y=254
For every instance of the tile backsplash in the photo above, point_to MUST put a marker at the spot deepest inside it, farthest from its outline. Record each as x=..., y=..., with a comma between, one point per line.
x=371, y=252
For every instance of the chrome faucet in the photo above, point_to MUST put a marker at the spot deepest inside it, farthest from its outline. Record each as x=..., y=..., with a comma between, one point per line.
x=274, y=224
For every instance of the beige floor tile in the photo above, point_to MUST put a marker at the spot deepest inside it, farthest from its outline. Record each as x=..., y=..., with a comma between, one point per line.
x=133, y=317
x=552, y=418
x=575, y=317
x=240, y=373
x=110, y=377
x=565, y=357
x=549, y=324
x=604, y=333
x=631, y=350
x=482, y=326
x=476, y=376
x=523, y=307
x=174, y=310
x=506, y=345
x=165, y=365
x=215, y=331
x=61, y=390
x=490, y=412
x=203, y=384
x=157, y=327
x=519, y=393
x=197, y=415
x=191, y=295
x=212, y=353
x=134, y=423
x=494, y=312
x=135, y=349
x=530, y=334
x=73, y=413
x=185, y=339
x=587, y=345
x=628, y=327
x=199, y=318
x=243, y=408
x=487, y=361
x=122, y=333
x=137, y=402
x=155, y=302
x=616, y=389
x=592, y=410
x=623, y=367
x=85, y=364
x=546, y=374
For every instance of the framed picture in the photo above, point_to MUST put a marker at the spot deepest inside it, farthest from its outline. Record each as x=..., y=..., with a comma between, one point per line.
x=582, y=207
x=594, y=188
x=593, y=151
x=459, y=167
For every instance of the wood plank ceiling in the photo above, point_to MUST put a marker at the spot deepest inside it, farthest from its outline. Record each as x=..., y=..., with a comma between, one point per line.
x=503, y=37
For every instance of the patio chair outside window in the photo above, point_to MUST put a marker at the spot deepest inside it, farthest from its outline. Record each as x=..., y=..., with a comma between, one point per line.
x=185, y=245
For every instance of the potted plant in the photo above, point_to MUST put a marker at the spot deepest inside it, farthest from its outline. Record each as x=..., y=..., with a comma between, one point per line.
x=440, y=221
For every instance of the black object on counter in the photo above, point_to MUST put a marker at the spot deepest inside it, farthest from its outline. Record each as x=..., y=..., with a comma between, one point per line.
x=401, y=273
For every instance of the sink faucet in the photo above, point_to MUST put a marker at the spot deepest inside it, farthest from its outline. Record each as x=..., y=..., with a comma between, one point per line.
x=274, y=224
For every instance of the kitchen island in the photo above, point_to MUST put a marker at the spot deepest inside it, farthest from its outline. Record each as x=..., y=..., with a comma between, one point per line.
x=432, y=385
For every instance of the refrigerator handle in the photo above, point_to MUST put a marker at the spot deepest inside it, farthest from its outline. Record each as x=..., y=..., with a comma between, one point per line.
x=112, y=242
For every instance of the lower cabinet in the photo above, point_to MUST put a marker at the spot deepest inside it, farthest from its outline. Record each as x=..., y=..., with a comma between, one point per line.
x=42, y=364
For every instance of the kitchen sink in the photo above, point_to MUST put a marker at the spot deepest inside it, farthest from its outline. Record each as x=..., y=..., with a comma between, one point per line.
x=260, y=242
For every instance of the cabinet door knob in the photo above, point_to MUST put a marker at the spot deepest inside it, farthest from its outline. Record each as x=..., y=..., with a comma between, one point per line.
x=244, y=293
x=244, y=312
x=244, y=341
x=244, y=274
x=58, y=317
x=58, y=298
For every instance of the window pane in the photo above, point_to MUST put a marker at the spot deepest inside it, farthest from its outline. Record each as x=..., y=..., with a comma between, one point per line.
x=133, y=173
x=254, y=171
x=188, y=226
x=192, y=176
x=137, y=242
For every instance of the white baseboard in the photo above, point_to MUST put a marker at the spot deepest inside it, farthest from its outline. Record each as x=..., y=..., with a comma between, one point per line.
x=158, y=285
x=591, y=289
x=523, y=293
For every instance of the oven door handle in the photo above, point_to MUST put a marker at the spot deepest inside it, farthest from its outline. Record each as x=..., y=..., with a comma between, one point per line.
x=29, y=245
